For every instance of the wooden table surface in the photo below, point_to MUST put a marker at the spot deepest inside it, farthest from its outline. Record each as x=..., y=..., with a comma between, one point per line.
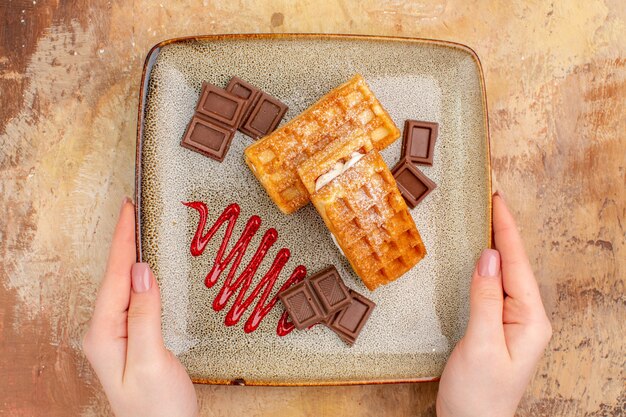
x=69, y=77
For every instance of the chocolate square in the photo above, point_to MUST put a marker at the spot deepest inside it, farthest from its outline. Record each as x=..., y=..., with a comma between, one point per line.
x=331, y=292
x=208, y=138
x=419, y=141
x=265, y=116
x=220, y=105
x=246, y=91
x=412, y=183
x=301, y=304
x=348, y=323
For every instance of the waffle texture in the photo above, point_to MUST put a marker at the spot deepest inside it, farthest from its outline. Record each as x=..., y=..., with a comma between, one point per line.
x=275, y=159
x=364, y=210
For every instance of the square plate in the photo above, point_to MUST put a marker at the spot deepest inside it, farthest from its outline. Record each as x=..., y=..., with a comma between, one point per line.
x=420, y=317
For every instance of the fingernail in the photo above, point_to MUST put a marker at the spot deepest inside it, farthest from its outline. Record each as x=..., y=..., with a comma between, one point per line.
x=141, y=277
x=125, y=200
x=489, y=263
x=499, y=193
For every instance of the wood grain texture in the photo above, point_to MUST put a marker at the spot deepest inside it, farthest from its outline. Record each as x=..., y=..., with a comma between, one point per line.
x=69, y=76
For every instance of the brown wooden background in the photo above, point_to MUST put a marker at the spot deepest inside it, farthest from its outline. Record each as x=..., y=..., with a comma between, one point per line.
x=69, y=76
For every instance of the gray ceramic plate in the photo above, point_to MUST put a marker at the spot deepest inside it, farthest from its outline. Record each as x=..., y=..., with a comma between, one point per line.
x=418, y=318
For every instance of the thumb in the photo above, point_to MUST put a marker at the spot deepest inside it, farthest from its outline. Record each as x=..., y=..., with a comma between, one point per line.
x=144, y=316
x=486, y=299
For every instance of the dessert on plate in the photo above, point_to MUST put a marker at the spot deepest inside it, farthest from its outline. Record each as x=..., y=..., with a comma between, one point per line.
x=328, y=155
x=275, y=159
x=357, y=197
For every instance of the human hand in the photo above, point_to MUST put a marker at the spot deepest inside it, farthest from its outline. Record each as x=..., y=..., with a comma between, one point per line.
x=507, y=333
x=124, y=343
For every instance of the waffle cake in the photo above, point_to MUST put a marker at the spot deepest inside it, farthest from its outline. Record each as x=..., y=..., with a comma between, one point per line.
x=363, y=208
x=274, y=159
x=324, y=160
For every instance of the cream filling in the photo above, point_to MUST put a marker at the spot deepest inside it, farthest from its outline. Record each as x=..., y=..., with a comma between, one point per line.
x=337, y=244
x=338, y=169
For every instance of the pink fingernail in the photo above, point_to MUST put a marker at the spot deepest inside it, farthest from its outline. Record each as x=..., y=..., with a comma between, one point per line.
x=125, y=200
x=141, y=277
x=489, y=263
x=499, y=194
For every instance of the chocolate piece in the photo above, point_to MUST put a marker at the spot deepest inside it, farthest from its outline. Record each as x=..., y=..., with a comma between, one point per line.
x=301, y=304
x=349, y=322
x=212, y=128
x=220, y=105
x=331, y=292
x=246, y=91
x=325, y=298
x=419, y=141
x=265, y=116
x=208, y=138
x=412, y=183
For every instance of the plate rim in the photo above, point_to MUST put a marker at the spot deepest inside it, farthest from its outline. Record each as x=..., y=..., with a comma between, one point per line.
x=149, y=62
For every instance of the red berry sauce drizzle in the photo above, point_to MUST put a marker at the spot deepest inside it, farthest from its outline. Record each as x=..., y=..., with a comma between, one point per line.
x=244, y=280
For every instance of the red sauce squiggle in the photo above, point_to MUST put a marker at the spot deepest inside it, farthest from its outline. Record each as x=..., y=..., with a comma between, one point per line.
x=244, y=280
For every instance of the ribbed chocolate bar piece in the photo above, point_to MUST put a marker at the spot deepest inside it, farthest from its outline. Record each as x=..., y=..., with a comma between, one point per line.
x=348, y=322
x=302, y=305
x=212, y=127
x=412, y=183
x=316, y=298
x=249, y=93
x=419, y=141
x=331, y=292
x=265, y=116
x=220, y=105
x=325, y=298
x=209, y=139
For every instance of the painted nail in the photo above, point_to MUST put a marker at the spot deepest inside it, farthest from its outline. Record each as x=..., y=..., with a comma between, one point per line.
x=125, y=201
x=141, y=277
x=489, y=263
